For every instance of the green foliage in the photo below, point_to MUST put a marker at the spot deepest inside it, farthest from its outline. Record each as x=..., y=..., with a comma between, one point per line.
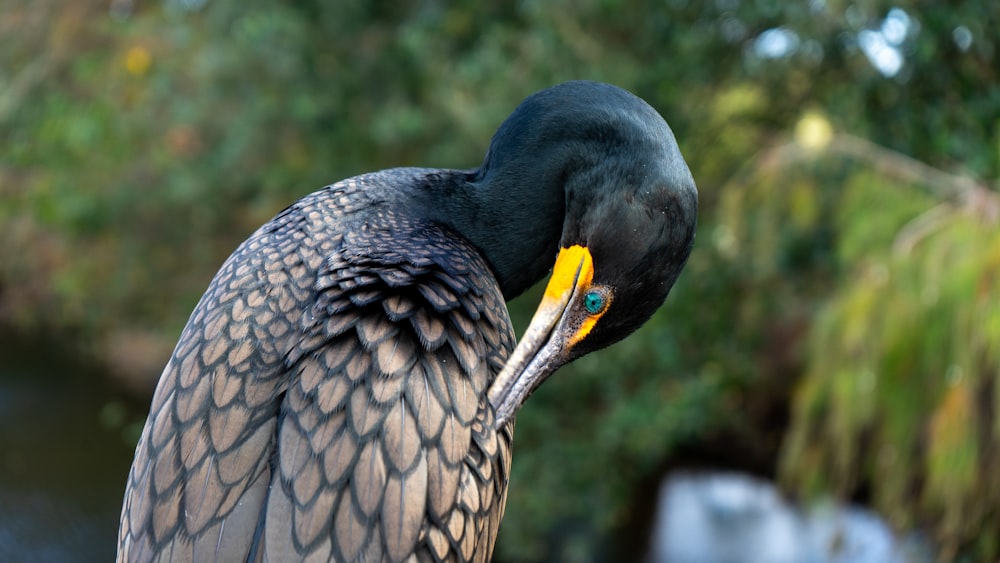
x=899, y=392
x=140, y=143
x=899, y=287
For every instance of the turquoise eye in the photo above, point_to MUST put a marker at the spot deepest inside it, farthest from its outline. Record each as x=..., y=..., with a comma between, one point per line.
x=594, y=302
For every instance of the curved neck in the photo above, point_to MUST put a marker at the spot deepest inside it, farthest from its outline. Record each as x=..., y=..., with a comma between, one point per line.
x=514, y=216
x=513, y=207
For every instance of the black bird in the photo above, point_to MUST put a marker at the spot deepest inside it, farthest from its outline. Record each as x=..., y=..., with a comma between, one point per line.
x=346, y=388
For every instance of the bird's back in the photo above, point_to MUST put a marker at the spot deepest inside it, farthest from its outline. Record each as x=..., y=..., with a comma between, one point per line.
x=327, y=398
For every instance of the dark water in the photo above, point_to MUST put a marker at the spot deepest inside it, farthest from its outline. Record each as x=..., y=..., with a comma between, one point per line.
x=65, y=448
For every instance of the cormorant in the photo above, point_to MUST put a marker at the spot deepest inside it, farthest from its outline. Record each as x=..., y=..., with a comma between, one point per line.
x=345, y=390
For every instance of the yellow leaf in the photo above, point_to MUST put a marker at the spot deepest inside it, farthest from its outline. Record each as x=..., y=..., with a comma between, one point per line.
x=137, y=60
x=813, y=131
x=953, y=438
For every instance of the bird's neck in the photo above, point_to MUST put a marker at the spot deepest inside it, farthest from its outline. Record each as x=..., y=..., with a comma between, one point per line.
x=515, y=220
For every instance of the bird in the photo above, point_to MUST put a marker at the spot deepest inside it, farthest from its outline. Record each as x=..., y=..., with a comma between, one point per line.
x=346, y=387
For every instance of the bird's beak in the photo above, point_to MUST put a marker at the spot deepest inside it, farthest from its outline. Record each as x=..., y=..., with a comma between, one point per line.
x=553, y=331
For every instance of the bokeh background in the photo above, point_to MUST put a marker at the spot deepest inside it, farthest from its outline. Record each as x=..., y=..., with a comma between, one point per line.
x=837, y=329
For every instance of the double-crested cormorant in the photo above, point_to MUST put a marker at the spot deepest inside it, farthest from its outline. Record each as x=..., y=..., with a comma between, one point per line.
x=345, y=390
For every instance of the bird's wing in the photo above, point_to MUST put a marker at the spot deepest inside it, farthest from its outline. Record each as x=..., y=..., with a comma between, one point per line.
x=202, y=465
x=386, y=446
x=321, y=401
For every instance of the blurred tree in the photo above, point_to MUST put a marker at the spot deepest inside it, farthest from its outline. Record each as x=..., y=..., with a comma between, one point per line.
x=899, y=393
x=140, y=142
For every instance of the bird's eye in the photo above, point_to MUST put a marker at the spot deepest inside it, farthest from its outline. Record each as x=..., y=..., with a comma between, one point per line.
x=594, y=301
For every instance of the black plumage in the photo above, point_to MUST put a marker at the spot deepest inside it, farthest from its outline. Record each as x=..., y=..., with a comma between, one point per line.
x=345, y=389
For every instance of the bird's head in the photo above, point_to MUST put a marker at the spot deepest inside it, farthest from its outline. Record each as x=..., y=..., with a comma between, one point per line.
x=630, y=215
